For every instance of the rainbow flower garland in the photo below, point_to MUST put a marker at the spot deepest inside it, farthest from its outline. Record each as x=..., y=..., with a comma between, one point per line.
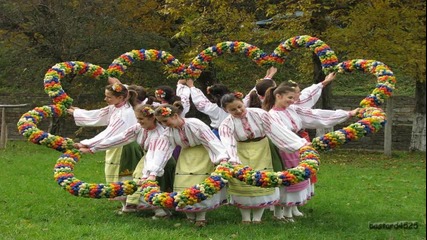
x=206, y=56
x=386, y=80
x=120, y=64
x=327, y=56
x=372, y=117
x=308, y=166
x=27, y=126
x=64, y=176
x=52, y=79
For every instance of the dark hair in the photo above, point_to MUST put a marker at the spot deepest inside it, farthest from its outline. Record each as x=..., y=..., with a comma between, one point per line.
x=261, y=88
x=254, y=100
x=121, y=90
x=270, y=96
x=142, y=93
x=229, y=98
x=170, y=96
x=216, y=91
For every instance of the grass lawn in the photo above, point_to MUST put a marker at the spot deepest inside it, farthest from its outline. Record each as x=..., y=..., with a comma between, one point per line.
x=356, y=190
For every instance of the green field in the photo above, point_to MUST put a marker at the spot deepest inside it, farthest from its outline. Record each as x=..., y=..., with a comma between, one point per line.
x=357, y=193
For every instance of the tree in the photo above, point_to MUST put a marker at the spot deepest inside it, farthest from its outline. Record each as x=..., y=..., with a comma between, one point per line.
x=393, y=32
x=36, y=34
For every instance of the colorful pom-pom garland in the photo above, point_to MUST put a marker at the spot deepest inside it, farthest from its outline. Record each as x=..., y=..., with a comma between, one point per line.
x=120, y=64
x=327, y=57
x=52, y=79
x=373, y=118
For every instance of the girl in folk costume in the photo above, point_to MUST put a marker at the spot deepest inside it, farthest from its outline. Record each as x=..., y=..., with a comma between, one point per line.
x=152, y=166
x=307, y=98
x=166, y=95
x=243, y=134
x=212, y=108
x=279, y=102
x=201, y=150
x=117, y=116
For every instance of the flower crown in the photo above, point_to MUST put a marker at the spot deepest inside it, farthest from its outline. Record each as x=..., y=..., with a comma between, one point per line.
x=238, y=95
x=147, y=111
x=160, y=93
x=117, y=87
x=165, y=111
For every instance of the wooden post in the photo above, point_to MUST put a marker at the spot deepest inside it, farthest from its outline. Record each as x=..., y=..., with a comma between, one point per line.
x=388, y=128
x=3, y=129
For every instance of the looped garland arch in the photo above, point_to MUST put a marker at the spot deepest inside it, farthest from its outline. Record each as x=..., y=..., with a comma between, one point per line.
x=373, y=118
x=327, y=57
x=52, y=79
x=120, y=64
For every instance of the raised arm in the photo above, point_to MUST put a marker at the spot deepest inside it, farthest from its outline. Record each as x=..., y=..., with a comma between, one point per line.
x=183, y=91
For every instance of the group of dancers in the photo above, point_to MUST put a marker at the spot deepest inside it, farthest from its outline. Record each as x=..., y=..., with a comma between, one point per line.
x=149, y=138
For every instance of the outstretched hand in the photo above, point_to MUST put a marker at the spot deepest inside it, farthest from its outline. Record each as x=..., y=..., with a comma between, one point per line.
x=71, y=110
x=85, y=150
x=329, y=78
x=79, y=145
x=182, y=81
x=271, y=72
x=190, y=83
x=354, y=112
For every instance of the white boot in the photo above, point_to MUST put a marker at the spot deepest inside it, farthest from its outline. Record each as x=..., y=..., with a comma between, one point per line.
x=296, y=212
x=287, y=212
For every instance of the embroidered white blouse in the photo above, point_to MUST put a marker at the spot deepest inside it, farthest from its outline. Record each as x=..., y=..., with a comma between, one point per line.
x=154, y=162
x=183, y=91
x=297, y=118
x=193, y=133
x=117, y=120
x=261, y=124
x=202, y=103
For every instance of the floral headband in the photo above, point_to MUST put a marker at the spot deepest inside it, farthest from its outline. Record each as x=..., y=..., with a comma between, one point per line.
x=117, y=87
x=147, y=111
x=165, y=111
x=238, y=95
x=160, y=93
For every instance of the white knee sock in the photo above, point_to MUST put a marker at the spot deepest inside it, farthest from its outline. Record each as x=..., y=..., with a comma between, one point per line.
x=191, y=215
x=287, y=212
x=201, y=216
x=246, y=215
x=257, y=214
x=278, y=212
